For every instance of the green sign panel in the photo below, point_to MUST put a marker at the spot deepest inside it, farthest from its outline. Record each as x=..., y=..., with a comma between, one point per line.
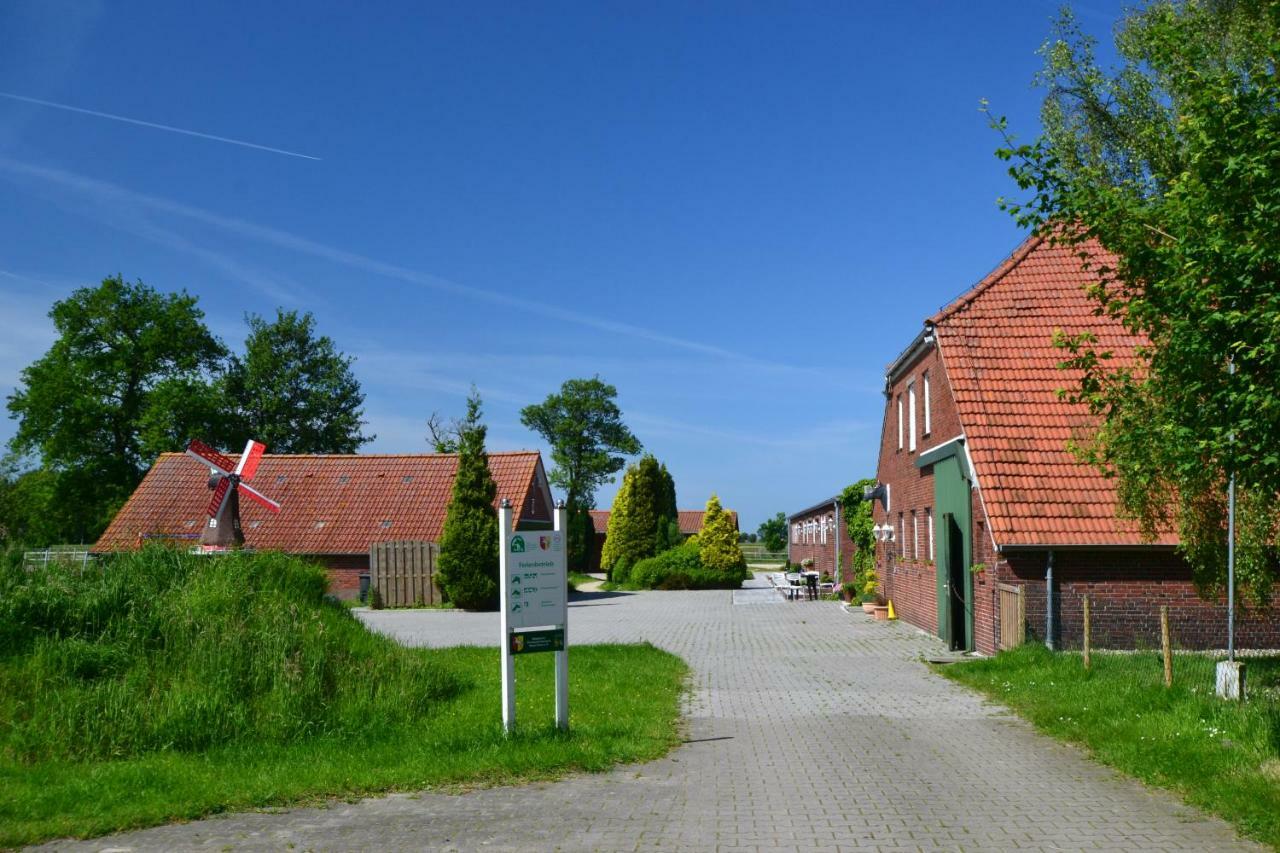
x=528, y=642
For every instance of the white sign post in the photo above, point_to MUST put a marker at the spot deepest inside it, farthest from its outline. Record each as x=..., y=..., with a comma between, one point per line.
x=534, y=600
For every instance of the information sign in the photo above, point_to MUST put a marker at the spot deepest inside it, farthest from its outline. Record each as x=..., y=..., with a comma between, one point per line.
x=533, y=591
x=536, y=582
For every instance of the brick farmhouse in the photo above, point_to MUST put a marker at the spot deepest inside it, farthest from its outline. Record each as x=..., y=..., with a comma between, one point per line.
x=819, y=533
x=690, y=521
x=980, y=501
x=333, y=508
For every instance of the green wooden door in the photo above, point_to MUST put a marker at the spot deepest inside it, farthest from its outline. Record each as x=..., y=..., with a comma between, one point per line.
x=952, y=548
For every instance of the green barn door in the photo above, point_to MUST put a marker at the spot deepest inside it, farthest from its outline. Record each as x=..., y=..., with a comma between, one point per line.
x=952, y=508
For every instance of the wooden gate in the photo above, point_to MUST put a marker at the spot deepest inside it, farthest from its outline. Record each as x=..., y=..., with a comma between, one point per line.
x=1013, y=616
x=402, y=574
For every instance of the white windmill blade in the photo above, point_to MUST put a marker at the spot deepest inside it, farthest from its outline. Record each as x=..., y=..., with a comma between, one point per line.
x=258, y=497
x=202, y=452
x=249, y=460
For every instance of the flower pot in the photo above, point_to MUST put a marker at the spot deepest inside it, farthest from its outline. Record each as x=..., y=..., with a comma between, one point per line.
x=881, y=613
x=868, y=607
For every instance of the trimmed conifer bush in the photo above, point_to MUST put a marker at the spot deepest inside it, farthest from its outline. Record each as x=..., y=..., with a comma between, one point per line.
x=468, y=568
x=718, y=542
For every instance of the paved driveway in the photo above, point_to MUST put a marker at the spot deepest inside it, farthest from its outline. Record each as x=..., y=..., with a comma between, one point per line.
x=809, y=728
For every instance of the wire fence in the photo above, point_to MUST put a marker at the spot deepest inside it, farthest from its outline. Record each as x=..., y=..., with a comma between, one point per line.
x=1152, y=648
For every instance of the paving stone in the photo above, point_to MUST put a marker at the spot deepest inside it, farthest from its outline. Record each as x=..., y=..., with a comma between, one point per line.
x=810, y=729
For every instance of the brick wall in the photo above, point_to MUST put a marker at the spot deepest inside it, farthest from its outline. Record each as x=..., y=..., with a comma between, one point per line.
x=1126, y=589
x=823, y=554
x=906, y=564
x=344, y=572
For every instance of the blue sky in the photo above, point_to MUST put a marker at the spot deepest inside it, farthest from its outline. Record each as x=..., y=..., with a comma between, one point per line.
x=736, y=213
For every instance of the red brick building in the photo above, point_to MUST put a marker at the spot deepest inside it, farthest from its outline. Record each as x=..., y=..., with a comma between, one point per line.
x=980, y=501
x=819, y=533
x=690, y=521
x=332, y=507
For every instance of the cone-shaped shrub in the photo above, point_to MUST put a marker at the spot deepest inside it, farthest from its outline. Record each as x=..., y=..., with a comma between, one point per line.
x=468, y=567
x=633, y=521
x=718, y=542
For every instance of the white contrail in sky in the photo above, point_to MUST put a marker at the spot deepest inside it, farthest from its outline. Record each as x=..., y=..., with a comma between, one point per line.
x=155, y=126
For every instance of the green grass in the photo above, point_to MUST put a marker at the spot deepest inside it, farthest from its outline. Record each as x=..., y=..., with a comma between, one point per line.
x=163, y=687
x=1223, y=757
x=577, y=579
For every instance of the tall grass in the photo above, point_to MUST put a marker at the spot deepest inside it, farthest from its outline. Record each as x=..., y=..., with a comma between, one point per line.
x=162, y=685
x=162, y=649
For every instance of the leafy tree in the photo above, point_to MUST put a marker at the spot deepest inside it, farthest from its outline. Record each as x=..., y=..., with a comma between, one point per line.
x=128, y=377
x=773, y=532
x=28, y=512
x=468, y=568
x=1171, y=163
x=718, y=542
x=584, y=427
x=861, y=528
x=634, y=520
x=293, y=390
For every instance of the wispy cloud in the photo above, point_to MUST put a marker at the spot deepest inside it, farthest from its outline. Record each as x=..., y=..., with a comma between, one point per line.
x=816, y=436
x=155, y=125
x=106, y=192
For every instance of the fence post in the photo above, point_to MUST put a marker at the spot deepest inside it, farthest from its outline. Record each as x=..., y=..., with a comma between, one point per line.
x=1165, y=646
x=1087, y=661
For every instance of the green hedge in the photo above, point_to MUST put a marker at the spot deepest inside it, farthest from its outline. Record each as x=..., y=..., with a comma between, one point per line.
x=682, y=568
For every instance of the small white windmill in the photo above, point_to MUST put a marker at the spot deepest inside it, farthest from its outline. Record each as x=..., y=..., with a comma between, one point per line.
x=228, y=479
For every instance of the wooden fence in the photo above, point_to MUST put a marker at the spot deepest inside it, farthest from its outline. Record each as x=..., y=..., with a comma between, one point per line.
x=1013, y=616
x=402, y=574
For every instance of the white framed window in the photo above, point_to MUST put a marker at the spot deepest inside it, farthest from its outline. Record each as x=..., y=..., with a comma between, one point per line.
x=911, y=416
x=823, y=529
x=928, y=514
x=902, y=534
x=915, y=535
x=928, y=420
x=899, y=421
x=795, y=534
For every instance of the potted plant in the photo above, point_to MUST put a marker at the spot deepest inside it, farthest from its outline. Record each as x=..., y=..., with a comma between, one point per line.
x=848, y=591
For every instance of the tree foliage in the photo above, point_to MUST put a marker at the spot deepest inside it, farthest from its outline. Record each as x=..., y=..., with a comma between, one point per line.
x=718, y=541
x=632, y=534
x=667, y=533
x=468, y=567
x=861, y=528
x=588, y=439
x=773, y=532
x=293, y=390
x=1172, y=163
x=129, y=376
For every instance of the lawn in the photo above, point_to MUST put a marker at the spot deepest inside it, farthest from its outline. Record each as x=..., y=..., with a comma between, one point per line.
x=1220, y=756
x=156, y=689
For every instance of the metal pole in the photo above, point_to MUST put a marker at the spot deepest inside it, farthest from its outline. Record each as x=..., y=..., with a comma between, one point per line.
x=561, y=517
x=1048, y=603
x=504, y=585
x=1231, y=542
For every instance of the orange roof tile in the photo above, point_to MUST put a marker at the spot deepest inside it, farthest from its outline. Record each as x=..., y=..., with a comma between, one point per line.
x=996, y=342
x=329, y=504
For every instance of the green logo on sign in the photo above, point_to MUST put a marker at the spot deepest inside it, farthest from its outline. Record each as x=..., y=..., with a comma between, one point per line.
x=517, y=545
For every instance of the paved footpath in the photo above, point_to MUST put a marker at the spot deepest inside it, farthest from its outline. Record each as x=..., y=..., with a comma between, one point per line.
x=809, y=729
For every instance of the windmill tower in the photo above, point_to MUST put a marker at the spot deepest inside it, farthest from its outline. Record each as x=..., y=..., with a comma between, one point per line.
x=228, y=479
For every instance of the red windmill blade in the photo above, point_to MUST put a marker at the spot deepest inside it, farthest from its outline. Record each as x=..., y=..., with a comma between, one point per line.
x=228, y=480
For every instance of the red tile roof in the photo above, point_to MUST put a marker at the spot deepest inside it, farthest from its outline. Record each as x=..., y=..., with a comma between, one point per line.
x=690, y=520
x=996, y=342
x=329, y=504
